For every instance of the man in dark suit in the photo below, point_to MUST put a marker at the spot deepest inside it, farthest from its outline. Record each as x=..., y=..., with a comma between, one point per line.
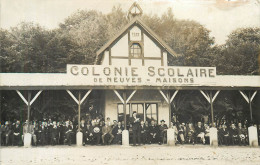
x=117, y=132
x=144, y=132
x=68, y=132
x=242, y=132
x=200, y=132
x=135, y=122
x=153, y=133
x=89, y=133
x=162, y=132
x=8, y=133
x=233, y=134
x=224, y=134
x=17, y=137
x=54, y=133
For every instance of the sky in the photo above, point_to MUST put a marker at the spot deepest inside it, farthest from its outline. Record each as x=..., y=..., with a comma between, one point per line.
x=221, y=17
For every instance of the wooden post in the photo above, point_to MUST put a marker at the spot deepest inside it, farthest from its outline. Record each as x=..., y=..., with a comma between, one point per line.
x=249, y=100
x=211, y=108
x=29, y=108
x=170, y=107
x=124, y=108
x=1, y=105
x=79, y=111
x=250, y=108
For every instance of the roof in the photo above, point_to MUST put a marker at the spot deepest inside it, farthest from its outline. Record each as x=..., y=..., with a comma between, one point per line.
x=136, y=20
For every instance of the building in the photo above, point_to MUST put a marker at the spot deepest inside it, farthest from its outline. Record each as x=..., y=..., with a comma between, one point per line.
x=133, y=74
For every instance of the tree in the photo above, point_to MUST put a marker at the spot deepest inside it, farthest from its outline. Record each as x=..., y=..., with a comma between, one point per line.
x=87, y=30
x=115, y=21
x=239, y=54
x=27, y=51
x=188, y=38
x=8, y=58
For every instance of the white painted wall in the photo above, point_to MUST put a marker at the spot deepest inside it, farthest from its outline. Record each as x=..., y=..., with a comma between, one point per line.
x=150, y=48
x=136, y=62
x=165, y=59
x=105, y=60
x=111, y=105
x=135, y=34
x=152, y=62
x=119, y=62
x=121, y=47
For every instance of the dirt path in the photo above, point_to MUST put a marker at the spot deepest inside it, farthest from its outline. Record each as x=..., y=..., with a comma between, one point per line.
x=150, y=155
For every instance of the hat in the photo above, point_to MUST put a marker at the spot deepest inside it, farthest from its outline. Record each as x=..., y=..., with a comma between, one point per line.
x=134, y=112
x=162, y=121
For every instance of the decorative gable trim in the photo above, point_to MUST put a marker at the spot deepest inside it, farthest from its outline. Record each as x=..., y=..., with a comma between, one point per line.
x=126, y=29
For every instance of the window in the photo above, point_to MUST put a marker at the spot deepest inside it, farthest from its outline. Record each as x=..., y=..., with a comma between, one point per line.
x=145, y=111
x=120, y=112
x=136, y=50
x=139, y=108
x=151, y=112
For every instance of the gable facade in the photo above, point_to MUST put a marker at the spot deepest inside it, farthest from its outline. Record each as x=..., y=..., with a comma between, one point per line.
x=136, y=45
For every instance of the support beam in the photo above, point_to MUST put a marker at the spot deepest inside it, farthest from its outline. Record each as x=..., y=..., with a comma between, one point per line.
x=36, y=96
x=86, y=95
x=119, y=96
x=206, y=97
x=28, y=102
x=79, y=101
x=173, y=96
x=124, y=108
x=76, y=100
x=124, y=100
x=211, y=109
x=24, y=100
x=169, y=99
x=249, y=100
x=166, y=99
x=125, y=133
x=29, y=110
x=215, y=96
x=245, y=96
x=79, y=111
x=210, y=98
x=170, y=107
x=253, y=96
x=250, y=107
x=132, y=94
x=73, y=97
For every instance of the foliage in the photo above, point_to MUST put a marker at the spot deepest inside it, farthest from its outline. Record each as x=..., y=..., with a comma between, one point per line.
x=188, y=38
x=31, y=48
x=239, y=55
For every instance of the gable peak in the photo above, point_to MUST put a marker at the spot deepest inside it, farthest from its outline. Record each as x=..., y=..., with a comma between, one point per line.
x=134, y=11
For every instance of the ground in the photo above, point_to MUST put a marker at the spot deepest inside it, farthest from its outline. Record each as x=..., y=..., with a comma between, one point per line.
x=140, y=155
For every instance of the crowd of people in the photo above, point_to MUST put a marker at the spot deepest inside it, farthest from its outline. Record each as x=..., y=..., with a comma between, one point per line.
x=232, y=134
x=100, y=131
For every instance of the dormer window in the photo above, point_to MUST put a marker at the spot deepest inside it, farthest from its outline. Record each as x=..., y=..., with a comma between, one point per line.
x=136, y=50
